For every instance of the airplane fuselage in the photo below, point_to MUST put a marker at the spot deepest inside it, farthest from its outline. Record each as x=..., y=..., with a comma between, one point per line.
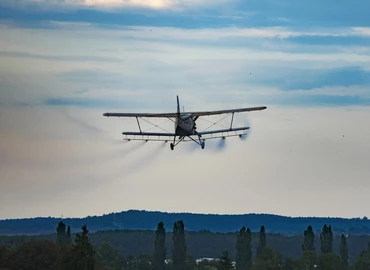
x=185, y=125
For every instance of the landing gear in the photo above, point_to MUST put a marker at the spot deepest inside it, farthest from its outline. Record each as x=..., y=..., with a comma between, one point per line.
x=201, y=142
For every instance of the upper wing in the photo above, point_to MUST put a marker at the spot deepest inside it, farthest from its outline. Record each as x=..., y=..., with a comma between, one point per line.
x=167, y=115
x=250, y=109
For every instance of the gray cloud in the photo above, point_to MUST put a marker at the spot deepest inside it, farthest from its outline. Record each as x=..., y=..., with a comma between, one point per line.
x=318, y=100
x=306, y=79
x=69, y=58
x=197, y=14
x=95, y=77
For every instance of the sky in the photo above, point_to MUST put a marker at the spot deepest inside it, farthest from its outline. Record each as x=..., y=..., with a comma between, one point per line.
x=63, y=63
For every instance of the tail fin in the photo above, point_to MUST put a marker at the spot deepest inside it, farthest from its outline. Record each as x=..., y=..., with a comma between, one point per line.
x=178, y=106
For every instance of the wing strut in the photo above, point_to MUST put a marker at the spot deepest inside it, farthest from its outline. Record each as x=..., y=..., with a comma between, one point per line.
x=138, y=124
x=231, y=125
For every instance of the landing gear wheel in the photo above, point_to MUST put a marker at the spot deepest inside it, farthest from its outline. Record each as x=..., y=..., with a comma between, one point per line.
x=202, y=144
x=172, y=146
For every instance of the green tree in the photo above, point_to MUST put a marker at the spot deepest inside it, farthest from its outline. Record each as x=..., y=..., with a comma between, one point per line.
x=61, y=234
x=140, y=262
x=262, y=241
x=326, y=238
x=330, y=260
x=33, y=255
x=159, y=254
x=179, y=246
x=130, y=263
x=68, y=235
x=309, y=240
x=362, y=261
x=289, y=264
x=65, y=258
x=190, y=262
x=225, y=261
x=344, y=250
x=83, y=251
x=243, y=249
x=4, y=256
x=268, y=259
x=107, y=257
x=308, y=261
x=143, y=262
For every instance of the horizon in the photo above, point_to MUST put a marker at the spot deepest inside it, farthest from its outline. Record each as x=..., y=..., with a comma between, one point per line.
x=191, y=213
x=65, y=63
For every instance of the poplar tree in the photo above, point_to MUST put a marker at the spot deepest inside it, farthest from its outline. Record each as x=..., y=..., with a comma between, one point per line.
x=309, y=240
x=159, y=254
x=326, y=239
x=68, y=235
x=344, y=250
x=61, y=234
x=179, y=246
x=262, y=241
x=243, y=249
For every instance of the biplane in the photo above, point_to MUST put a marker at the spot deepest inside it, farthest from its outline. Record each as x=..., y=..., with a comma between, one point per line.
x=185, y=126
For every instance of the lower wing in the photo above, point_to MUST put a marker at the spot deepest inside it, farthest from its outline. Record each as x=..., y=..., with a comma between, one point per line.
x=161, y=136
x=222, y=131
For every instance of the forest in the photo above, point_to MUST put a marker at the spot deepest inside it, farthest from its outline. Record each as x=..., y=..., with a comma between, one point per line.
x=146, y=220
x=169, y=250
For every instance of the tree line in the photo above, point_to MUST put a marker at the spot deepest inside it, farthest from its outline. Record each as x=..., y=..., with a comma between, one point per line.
x=63, y=253
x=222, y=223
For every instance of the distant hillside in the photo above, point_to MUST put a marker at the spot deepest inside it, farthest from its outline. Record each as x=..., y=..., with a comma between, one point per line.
x=148, y=220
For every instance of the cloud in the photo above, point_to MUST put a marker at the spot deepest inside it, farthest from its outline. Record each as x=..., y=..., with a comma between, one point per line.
x=164, y=64
x=112, y=5
x=321, y=100
x=352, y=39
x=70, y=58
x=276, y=38
x=156, y=4
x=213, y=34
x=307, y=79
x=192, y=13
x=314, y=13
x=95, y=77
x=117, y=103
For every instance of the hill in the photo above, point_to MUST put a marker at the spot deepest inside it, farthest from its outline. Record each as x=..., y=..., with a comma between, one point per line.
x=148, y=220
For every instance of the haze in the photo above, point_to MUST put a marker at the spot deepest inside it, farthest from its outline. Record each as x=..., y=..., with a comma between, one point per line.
x=64, y=63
